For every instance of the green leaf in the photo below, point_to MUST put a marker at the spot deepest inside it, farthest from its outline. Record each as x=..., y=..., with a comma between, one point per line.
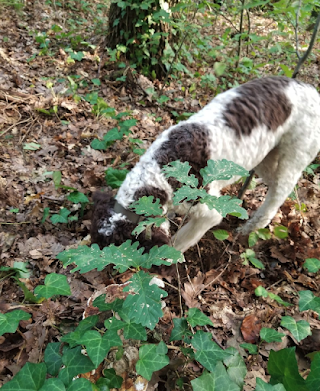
x=180, y=171
x=220, y=234
x=74, y=337
x=208, y=353
x=77, y=56
x=186, y=193
x=312, y=265
x=77, y=197
x=53, y=385
x=62, y=217
x=136, y=331
x=9, y=322
x=300, y=330
x=115, y=177
x=56, y=177
x=46, y=212
x=283, y=368
x=145, y=206
x=111, y=379
x=262, y=386
x=287, y=71
x=198, y=318
x=149, y=222
x=53, y=357
x=219, y=68
x=221, y=170
x=54, y=284
x=313, y=380
x=151, y=359
x=31, y=146
x=97, y=347
x=224, y=205
x=281, y=232
x=127, y=255
x=308, y=301
x=30, y=378
x=252, y=349
x=180, y=329
x=236, y=368
x=98, y=144
x=163, y=255
x=100, y=302
x=217, y=380
x=270, y=335
x=144, y=304
x=81, y=384
x=75, y=363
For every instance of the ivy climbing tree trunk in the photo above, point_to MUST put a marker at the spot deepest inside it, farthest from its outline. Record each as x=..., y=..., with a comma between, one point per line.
x=140, y=29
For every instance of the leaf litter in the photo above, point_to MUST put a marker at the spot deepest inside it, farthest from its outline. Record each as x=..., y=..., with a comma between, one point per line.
x=213, y=278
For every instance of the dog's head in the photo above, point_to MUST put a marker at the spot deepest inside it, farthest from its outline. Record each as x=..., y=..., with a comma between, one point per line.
x=108, y=226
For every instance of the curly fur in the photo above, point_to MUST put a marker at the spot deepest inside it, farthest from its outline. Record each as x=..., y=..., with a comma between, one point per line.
x=271, y=125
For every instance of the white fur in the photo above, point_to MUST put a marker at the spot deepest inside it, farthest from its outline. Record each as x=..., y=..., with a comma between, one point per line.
x=278, y=156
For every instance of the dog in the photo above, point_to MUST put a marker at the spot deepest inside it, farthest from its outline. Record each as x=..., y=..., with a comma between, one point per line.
x=271, y=125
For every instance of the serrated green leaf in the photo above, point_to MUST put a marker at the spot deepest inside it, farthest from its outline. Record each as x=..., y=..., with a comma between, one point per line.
x=180, y=171
x=81, y=384
x=220, y=234
x=31, y=146
x=75, y=363
x=262, y=386
x=252, y=349
x=30, y=378
x=163, y=255
x=127, y=255
x=9, y=322
x=54, y=284
x=144, y=304
x=150, y=360
x=186, y=193
x=53, y=357
x=270, y=335
x=308, y=301
x=147, y=206
x=77, y=197
x=283, y=368
x=312, y=265
x=224, y=205
x=217, y=380
x=180, y=329
x=96, y=346
x=300, y=330
x=115, y=177
x=221, y=170
x=53, y=385
x=197, y=318
x=313, y=380
x=208, y=353
x=149, y=222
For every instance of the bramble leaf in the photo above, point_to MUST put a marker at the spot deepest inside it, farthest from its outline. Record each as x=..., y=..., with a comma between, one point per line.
x=221, y=170
x=180, y=171
x=300, y=330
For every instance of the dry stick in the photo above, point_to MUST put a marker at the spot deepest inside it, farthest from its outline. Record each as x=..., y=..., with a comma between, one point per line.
x=311, y=44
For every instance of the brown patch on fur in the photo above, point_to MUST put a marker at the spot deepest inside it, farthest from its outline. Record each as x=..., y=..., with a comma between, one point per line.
x=261, y=101
x=187, y=142
x=152, y=191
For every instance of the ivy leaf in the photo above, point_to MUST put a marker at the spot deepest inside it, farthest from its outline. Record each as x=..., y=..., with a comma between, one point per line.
x=262, y=386
x=308, y=301
x=208, y=353
x=180, y=171
x=115, y=177
x=236, y=368
x=144, y=304
x=300, y=330
x=221, y=170
x=283, y=368
x=136, y=331
x=149, y=222
x=312, y=265
x=270, y=335
x=86, y=258
x=62, y=217
x=54, y=284
x=180, y=329
x=110, y=379
x=75, y=363
x=147, y=206
x=224, y=205
x=313, y=380
x=77, y=197
x=53, y=358
x=53, y=385
x=217, y=380
x=30, y=378
x=81, y=384
x=252, y=349
x=186, y=193
x=100, y=302
x=74, y=337
x=9, y=322
x=198, y=318
x=96, y=346
x=151, y=359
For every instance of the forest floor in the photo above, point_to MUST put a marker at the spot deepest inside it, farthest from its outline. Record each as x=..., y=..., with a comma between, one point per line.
x=35, y=143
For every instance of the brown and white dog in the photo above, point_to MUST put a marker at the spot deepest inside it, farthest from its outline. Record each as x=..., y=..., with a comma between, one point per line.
x=271, y=125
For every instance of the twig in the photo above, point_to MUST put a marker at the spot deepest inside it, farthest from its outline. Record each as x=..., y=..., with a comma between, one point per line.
x=240, y=35
x=245, y=185
x=296, y=28
x=306, y=55
x=179, y=289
